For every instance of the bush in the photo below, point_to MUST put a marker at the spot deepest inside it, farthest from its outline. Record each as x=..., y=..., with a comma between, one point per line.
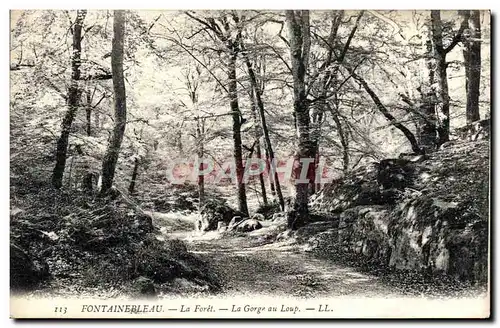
x=95, y=242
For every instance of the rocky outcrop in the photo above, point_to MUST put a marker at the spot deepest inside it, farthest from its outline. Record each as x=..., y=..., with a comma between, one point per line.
x=435, y=223
x=248, y=225
x=212, y=213
x=359, y=188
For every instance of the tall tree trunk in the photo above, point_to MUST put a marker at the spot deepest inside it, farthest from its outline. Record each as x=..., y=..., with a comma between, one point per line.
x=73, y=99
x=271, y=178
x=267, y=139
x=472, y=61
x=133, y=181
x=427, y=122
x=238, y=156
x=439, y=54
x=88, y=114
x=443, y=98
x=111, y=157
x=258, y=150
x=299, y=31
x=201, y=153
x=317, y=120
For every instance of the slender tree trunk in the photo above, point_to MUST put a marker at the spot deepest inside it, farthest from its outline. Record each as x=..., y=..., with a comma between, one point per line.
x=201, y=153
x=439, y=54
x=472, y=59
x=427, y=137
x=238, y=156
x=111, y=157
x=88, y=180
x=88, y=113
x=298, y=25
x=317, y=120
x=73, y=99
x=267, y=139
x=258, y=150
x=271, y=178
x=133, y=181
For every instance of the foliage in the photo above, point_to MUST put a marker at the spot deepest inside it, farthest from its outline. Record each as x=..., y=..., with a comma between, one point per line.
x=95, y=242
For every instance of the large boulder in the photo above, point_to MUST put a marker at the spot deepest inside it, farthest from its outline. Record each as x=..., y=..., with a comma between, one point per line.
x=248, y=225
x=235, y=220
x=358, y=188
x=213, y=212
x=363, y=230
x=438, y=225
x=164, y=261
x=438, y=236
x=258, y=217
x=395, y=173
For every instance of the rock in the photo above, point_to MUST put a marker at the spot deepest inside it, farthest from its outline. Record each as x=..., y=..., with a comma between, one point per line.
x=358, y=188
x=439, y=237
x=258, y=217
x=278, y=216
x=395, y=173
x=221, y=226
x=213, y=212
x=431, y=216
x=234, y=220
x=364, y=230
x=248, y=225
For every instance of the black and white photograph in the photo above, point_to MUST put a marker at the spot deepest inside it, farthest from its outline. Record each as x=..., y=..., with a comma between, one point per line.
x=255, y=164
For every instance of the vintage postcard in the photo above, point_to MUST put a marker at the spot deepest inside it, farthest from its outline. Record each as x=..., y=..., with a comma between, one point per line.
x=250, y=164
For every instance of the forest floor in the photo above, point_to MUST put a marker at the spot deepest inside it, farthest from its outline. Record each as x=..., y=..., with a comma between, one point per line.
x=250, y=264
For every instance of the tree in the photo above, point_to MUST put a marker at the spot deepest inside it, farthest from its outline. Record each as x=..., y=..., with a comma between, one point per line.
x=256, y=94
x=326, y=99
x=258, y=150
x=230, y=36
x=120, y=103
x=73, y=100
x=384, y=111
x=441, y=75
x=192, y=79
x=135, y=171
x=300, y=46
x=472, y=63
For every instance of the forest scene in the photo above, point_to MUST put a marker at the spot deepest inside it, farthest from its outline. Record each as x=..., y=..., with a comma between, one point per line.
x=298, y=153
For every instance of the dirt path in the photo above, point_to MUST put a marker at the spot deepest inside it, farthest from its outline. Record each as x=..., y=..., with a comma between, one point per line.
x=248, y=267
x=250, y=264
